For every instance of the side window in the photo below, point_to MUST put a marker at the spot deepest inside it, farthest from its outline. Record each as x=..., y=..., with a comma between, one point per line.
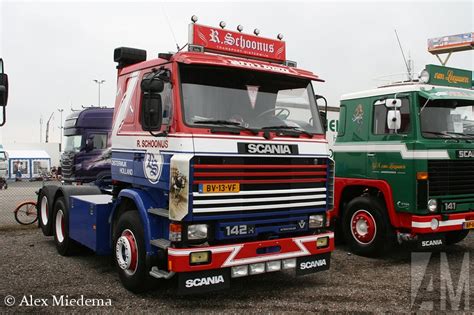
x=380, y=119
x=342, y=121
x=99, y=141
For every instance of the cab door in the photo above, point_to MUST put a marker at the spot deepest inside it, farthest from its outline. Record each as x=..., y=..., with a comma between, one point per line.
x=388, y=155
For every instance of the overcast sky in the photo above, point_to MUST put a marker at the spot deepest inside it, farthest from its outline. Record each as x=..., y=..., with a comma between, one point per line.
x=54, y=50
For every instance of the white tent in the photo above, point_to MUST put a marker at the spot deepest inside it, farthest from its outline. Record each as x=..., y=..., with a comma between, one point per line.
x=30, y=163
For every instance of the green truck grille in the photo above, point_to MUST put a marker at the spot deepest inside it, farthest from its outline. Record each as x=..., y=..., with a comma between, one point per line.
x=451, y=177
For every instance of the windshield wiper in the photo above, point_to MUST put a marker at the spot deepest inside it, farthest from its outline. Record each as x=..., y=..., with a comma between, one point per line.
x=463, y=135
x=441, y=134
x=227, y=123
x=283, y=127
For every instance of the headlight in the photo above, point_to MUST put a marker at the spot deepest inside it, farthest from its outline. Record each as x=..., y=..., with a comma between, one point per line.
x=197, y=231
x=316, y=221
x=432, y=205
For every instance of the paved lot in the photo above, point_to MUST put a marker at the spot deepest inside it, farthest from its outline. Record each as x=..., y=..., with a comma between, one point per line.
x=31, y=266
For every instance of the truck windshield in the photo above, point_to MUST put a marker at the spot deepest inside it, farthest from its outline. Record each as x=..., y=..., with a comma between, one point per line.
x=447, y=118
x=250, y=99
x=73, y=143
x=3, y=156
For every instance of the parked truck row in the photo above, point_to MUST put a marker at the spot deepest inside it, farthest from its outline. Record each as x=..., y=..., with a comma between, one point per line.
x=220, y=167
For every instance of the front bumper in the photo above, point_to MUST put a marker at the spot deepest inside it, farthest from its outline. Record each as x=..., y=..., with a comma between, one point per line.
x=446, y=222
x=247, y=253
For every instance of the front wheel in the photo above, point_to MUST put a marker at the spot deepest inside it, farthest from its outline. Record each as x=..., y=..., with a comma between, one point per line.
x=366, y=227
x=130, y=253
x=456, y=236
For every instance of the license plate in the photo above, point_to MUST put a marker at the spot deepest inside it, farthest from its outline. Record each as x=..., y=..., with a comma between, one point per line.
x=238, y=230
x=219, y=188
x=468, y=225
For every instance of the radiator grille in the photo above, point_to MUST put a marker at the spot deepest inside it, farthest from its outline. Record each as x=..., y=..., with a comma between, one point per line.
x=451, y=177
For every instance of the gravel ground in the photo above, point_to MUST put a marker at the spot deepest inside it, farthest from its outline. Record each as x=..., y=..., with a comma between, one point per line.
x=31, y=266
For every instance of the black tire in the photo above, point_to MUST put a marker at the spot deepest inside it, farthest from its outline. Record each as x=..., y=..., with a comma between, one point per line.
x=456, y=236
x=45, y=212
x=64, y=244
x=135, y=278
x=367, y=214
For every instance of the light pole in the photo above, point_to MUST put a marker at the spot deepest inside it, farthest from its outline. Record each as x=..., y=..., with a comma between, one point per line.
x=60, y=110
x=99, y=83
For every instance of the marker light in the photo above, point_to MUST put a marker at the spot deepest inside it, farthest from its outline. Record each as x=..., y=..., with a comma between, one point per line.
x=432, y=205
x=322, y=242
x=422, y=175
x=175, y=232
x=194, y=18
x=222, y=24
x=240, y=28
x=256, y=31
x=424, y=76
x=280, y=36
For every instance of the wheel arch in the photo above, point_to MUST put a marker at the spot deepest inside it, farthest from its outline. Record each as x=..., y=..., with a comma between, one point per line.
x=347, y=189
x=131, y=199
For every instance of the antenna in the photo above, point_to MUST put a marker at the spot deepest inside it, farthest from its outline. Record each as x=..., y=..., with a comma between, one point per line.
x=169, y=25
x=410, y=77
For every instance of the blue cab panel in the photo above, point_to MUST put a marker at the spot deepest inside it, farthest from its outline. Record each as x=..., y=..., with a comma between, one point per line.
x=89, y=221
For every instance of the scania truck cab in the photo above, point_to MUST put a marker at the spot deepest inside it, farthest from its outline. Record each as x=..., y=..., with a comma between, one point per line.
x=405, y=163
x=220, y=168
x=86, y=155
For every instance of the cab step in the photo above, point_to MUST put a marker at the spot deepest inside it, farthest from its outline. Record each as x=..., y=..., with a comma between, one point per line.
x=161, y=243
x=160, y=274
x=159, y=211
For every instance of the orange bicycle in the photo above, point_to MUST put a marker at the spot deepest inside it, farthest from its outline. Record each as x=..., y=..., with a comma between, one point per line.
x=26, y=213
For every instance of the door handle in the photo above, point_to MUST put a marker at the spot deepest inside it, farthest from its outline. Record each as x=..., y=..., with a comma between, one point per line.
x=370, y=154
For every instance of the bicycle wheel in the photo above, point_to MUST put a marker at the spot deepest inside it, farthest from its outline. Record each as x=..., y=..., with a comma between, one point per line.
x=26, y=213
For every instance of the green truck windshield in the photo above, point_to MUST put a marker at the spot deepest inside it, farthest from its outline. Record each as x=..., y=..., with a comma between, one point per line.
x=447, y=118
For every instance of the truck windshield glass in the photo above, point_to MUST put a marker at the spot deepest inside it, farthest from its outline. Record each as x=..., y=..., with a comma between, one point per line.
x=73, y=143
x=250, y=99
x=447, y=118
x=2, y=156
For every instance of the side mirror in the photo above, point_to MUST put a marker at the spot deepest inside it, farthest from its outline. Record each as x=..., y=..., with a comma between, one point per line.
x=324, y=119
x=152, y=83
x=3, y=93
x=394, y=120
x=151, y=115
x=393, y=103
x=89, y=145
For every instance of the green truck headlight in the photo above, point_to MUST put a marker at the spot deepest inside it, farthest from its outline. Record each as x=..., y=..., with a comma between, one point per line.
x=432, y=205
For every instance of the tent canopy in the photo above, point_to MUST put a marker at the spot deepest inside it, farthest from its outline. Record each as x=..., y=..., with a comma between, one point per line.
x=28, y=154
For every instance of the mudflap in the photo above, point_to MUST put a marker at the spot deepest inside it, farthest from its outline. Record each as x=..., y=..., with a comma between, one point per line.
x=203, y=281
x=311, y=264
x=429, y=242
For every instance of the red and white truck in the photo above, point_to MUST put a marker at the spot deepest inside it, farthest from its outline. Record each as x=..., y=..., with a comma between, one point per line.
x=220, y=168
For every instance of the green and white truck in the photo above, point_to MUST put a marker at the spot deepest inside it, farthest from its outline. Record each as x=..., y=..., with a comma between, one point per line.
x=404, y=158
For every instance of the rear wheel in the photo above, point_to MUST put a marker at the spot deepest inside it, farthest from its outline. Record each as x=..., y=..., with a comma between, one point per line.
x=130, y=253
x=44, y=211
x=456, y=236
x=366, y=227
x=64, y=244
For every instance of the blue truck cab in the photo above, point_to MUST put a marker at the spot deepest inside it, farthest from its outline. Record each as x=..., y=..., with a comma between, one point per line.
x=86, y=154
